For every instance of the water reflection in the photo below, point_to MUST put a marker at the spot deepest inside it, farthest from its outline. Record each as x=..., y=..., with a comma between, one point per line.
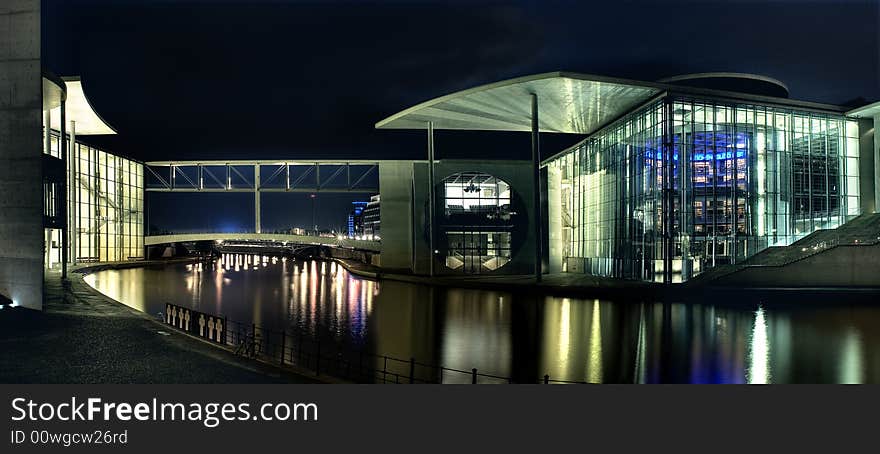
x=519, y=336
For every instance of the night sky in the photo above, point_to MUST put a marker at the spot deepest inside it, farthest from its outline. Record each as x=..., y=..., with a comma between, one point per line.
x=289, y=79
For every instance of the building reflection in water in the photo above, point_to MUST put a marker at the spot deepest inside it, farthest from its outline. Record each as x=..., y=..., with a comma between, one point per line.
x=759, y=351
x=519, y=336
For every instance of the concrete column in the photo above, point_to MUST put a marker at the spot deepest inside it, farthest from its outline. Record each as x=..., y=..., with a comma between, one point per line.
x=431, y=219
x=536, y=189
x=257, y=198
x=21, y=182
x=62, y=193
x=72, y=193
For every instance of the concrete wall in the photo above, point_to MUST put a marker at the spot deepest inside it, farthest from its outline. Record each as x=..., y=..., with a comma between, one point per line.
x=519, y=175
x=421, y=247
x=403, y=213
x=21, y=188
x=396, y=214
x=842, y=266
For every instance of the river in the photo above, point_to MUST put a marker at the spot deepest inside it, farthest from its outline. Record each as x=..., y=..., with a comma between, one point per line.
x=520, y=336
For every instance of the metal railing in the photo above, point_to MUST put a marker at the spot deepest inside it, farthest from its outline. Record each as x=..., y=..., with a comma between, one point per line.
x=322, y=357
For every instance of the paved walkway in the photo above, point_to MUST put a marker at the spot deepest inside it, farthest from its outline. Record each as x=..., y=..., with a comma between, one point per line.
x=84, y=337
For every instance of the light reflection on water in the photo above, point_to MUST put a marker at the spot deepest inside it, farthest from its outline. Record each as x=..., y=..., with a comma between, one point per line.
x=521, y=336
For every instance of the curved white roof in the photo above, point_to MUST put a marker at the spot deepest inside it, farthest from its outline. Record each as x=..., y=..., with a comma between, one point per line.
x=79, y=110
x=567, y=103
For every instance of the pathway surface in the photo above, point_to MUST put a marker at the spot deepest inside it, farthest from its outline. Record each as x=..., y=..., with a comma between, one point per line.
x=85, y=337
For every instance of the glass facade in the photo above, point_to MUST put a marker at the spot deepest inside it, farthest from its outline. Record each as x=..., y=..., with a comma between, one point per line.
x=106, y=206
x=476, y=225
x=684, y=184
x=106, y=196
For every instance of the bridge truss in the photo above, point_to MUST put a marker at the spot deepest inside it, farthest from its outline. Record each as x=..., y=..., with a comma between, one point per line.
x=259, y=176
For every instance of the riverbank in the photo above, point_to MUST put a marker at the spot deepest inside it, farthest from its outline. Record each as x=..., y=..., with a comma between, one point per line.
x=82, y=336
x=563, y=284
x=586, y=286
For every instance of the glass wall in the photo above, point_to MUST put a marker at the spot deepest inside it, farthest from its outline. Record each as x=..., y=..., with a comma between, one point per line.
x=106, y=196
x=682, y=185
x=476, y=223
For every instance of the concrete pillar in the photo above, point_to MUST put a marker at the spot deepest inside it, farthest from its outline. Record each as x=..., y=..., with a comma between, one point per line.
x=73, y=195
x=62, y=193
x=21, y=180
x=431, y=219
x=536, y=178
x=257, y=198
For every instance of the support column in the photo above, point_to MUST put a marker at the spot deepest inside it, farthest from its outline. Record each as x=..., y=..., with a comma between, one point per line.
x=62, y=193
x=431, y=219
x=536, y=181
x=257, y=198
x=72, y=194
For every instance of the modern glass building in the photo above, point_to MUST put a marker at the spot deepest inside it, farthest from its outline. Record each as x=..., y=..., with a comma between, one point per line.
x=685, y=183
x=101, y=198
x=672, y=177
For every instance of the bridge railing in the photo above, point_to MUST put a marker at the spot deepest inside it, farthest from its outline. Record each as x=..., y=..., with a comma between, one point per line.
x=307, y=353
x=372, y=245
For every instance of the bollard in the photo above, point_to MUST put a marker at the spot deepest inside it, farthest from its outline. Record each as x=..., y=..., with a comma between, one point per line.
x=412, y=369
x=546, y=379
x=474, y=376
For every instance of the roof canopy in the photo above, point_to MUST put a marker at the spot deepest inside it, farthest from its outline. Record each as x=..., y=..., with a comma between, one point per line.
x=567, y=103
x=79, y=110
x=868, y=111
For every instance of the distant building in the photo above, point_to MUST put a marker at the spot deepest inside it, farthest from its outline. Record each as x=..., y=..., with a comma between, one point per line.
x=371, y=218
x=355, y=224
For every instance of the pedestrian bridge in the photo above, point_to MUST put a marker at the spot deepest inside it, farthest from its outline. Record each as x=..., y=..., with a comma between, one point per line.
x=152, y=240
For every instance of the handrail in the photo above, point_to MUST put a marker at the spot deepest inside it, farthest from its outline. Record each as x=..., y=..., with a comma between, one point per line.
x=320, y=357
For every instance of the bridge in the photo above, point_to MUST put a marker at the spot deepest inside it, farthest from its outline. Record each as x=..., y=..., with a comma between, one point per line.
x=314, y=176
x=153, y=240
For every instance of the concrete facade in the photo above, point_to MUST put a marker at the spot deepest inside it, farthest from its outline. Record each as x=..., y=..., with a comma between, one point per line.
x=396, y=214
x=404, y=188
x=21, y=189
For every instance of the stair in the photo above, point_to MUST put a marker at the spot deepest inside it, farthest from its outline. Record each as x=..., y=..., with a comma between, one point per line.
x=863, y=230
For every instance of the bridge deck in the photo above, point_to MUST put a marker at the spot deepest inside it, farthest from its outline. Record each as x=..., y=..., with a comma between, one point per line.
x=153, y=240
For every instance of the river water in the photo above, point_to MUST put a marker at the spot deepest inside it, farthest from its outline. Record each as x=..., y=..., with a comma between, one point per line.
x=520, y=336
